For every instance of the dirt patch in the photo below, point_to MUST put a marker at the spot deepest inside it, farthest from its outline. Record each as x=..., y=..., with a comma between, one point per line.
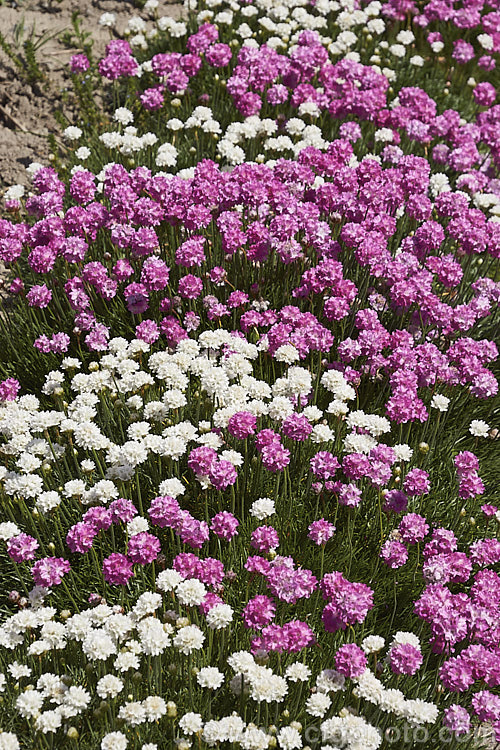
x=27, y=109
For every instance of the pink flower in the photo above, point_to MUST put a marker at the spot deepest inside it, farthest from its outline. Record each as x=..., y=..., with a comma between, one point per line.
x=22, y=547
x=242, y=424
x=321, y=531
x=224, y=525
x=143, y=548
x=117, y=569
x=405, y=658
x=258, y=612
x=49, y=571
x=350, y=660
x=264, y=538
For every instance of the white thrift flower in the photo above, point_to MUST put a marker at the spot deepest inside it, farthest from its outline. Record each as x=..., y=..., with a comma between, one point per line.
x=262, y=508
x=155, y=707
x=168, y=580
x=191, y=592
x=29, y=704
x=191, y=723
x=289, y=738
x=82, y=153
x=403, y=452
x=48, y=721
x=321, y=433
x=188, y=639
x=133, y=713
x=137, y=525
x=318, y=704
x=72, y=133
x=109, y=686
x=297, y=672
x=109, y=20
x=440, y=402
x=114, y=740
x=478, y=428
x=252, y=738
x=210, y=677
x=8, y=741
x=8, y=530
x=372, y=644
x=220, y=616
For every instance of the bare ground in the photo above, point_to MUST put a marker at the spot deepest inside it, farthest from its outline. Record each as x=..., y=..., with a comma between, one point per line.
x=27, y=111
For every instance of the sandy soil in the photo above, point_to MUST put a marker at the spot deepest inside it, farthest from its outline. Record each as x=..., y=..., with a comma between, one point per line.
x=26, y=111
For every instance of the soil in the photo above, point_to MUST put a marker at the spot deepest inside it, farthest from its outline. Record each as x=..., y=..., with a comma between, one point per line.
x=27, y=111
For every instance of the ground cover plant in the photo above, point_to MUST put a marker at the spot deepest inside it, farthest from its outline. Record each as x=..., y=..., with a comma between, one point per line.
x=248, y=408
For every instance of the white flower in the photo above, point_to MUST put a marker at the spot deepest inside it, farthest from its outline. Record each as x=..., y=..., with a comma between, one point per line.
x=168, y=580
x=29, y=704
x=82, y=153
x=321, y=433
x=262, y=508
x=8, y=530
x=372, y=644
x=188, y=639
x=440, y=402
x=219, y=616
x=147, y=604
x=14, y=192
x=287, y=353
x=318, y=704
x=403, y=452
x=109, y=686
x=107, y=19
x=329, y=680
x=486, y=41
x=114, y=740
x=289, y=738
x=405, y=37
x=191, y=723
x=417, y=60
x=166, y=156
x=133, y=713
x=210, y=677
x=478, y=428
x=418, y=712
x=47, y=501
x=48, y=721
x=8, y=741
x=266, y=686
x=137, y=525
x=155, y=707
x=126, y=660
x=191, y=592
x=297, y=672
x=72, y=133
x=252, y=738
x=98, y=646
x=405, y=637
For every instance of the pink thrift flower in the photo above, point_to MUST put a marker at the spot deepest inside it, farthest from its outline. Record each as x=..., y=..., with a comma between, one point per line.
x=117, y=569
x=49, y=571
x=224, y=525
x=350, y=660
x=405, y=658
x=321, y=531
x=264, y=538
x=22, y=547
x=143, y=548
